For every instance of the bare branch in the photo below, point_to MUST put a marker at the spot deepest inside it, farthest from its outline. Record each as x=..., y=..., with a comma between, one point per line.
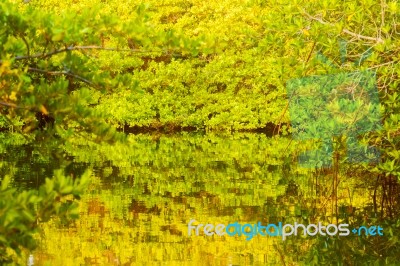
x=356, y=35
x=26, y=44
x=76, y=48
x=65, y=73
x=359, y=36
x=383, y=64
x=12, y=105
x=8, y=104
x=383, y=6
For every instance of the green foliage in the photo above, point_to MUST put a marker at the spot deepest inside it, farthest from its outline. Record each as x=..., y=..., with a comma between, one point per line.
x=49, y=64
x=52, y=72
x=21, y=211
x=72, y=72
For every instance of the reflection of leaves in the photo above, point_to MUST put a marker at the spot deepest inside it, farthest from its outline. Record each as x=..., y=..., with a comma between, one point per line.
x=20, y=212
x=169, y=192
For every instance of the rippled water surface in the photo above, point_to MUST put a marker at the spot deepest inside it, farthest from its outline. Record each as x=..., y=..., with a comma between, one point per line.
x=143, y=194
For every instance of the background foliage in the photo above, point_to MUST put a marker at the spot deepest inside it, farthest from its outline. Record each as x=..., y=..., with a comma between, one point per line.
x=74, y=73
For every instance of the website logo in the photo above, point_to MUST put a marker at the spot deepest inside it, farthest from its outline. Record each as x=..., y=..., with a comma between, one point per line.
x=279, y=230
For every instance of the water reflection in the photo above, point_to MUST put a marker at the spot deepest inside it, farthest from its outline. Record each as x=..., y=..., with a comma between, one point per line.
x=144, y=193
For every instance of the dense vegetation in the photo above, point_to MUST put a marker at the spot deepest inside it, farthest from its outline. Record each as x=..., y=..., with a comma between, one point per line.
x=75, y=75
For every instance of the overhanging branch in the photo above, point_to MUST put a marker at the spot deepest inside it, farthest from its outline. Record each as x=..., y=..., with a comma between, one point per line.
x=76, y=48
x=65, y=73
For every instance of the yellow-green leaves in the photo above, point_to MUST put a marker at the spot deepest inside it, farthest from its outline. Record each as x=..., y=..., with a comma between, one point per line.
x=20, y=210
x=5, y=182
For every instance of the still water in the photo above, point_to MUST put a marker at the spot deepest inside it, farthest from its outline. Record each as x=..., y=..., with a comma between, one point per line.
x=144, y=192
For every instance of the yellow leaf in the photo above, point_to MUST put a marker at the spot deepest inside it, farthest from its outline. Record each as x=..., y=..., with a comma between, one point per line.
x=306, y=32
x=350, y=17
x=43, y=110
x=13, y=96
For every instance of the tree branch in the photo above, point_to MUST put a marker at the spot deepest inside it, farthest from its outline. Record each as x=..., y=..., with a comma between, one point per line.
x=12, y=105
x=9, y=105
x=76, y=48
x=356, y=35
x=26, y=44
x=66, y=73
x=383, y=64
